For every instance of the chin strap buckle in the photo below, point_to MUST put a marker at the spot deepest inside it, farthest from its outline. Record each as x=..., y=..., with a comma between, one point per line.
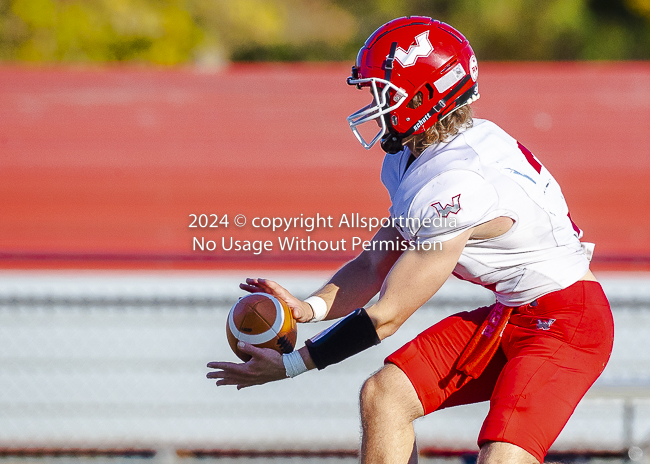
x=391, y=143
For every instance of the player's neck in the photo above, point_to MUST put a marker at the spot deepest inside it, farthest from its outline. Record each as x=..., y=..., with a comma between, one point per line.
x=410, y=144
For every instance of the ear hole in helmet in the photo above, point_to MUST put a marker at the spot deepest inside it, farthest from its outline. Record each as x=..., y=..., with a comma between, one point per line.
x=415, y=101
x=430, y=89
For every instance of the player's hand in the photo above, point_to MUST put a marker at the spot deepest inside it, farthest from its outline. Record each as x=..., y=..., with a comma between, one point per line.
x=301, y=311
x=265, y=366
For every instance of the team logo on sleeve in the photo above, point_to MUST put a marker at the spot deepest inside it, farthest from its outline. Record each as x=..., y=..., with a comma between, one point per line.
x=448, y=209
x=422, y=49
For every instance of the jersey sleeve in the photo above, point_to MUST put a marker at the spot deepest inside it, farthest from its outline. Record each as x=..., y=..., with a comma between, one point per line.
x=449, y=204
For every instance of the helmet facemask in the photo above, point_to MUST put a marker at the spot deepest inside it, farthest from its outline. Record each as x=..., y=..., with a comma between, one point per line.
x=378, y=110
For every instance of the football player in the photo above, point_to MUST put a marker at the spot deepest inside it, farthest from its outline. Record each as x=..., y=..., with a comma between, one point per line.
x=536, y=351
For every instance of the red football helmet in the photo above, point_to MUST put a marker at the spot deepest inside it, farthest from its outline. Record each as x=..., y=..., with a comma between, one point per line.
x=419, y=71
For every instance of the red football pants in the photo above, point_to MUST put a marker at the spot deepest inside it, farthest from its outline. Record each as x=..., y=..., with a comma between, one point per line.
x=551, y=352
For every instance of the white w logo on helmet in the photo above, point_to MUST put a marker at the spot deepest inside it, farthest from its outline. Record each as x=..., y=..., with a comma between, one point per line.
x=422, y=49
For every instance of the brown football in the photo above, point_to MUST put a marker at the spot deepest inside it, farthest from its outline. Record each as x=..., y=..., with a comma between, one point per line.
x=262, y=320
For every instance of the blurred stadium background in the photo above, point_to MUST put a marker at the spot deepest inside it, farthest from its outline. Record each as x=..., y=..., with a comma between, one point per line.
x=119, y=119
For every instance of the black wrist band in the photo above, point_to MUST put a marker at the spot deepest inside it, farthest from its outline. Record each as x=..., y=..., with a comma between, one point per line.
x=349, y=336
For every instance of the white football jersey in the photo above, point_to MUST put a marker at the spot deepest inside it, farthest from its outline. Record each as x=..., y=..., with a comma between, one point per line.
x=479, y=175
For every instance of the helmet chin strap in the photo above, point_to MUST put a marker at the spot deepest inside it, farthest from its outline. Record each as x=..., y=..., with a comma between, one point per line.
x=391, y=142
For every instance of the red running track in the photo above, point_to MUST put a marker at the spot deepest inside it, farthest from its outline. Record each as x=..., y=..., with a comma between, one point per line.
x=101, y=168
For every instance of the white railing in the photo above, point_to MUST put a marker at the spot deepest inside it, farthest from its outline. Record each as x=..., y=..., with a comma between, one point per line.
x=117, y=360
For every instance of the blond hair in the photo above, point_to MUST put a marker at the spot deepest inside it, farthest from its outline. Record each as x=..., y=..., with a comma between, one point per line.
x=444, y=129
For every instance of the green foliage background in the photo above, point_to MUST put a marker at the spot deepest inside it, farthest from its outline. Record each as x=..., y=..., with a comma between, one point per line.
x=212, y=32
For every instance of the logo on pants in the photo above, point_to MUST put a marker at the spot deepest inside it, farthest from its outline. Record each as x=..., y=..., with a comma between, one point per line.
x=544, y=324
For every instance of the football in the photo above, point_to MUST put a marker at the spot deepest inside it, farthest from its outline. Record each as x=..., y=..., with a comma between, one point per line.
x=262, y=320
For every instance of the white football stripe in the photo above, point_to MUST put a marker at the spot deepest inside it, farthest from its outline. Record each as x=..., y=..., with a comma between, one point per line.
x=256, y=339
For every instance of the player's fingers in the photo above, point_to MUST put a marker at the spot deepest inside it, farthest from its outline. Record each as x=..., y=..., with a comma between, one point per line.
x=226, y=366
x=246, y=384
x=247, y=380
x=270, y=286
x=227, y=378
x=250, y=349
x=275, y=287
x=233, y=380
x=265, y=282
x=254, y=282
x=257, y=281
x=257, y=286
x=250, y=288
x=226, y=382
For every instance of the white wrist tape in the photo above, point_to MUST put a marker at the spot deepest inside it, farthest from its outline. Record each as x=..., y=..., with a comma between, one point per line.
x=293, y=364
x=319, y=307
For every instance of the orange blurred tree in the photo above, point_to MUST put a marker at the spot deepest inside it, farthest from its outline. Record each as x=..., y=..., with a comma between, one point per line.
x=171, y=32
